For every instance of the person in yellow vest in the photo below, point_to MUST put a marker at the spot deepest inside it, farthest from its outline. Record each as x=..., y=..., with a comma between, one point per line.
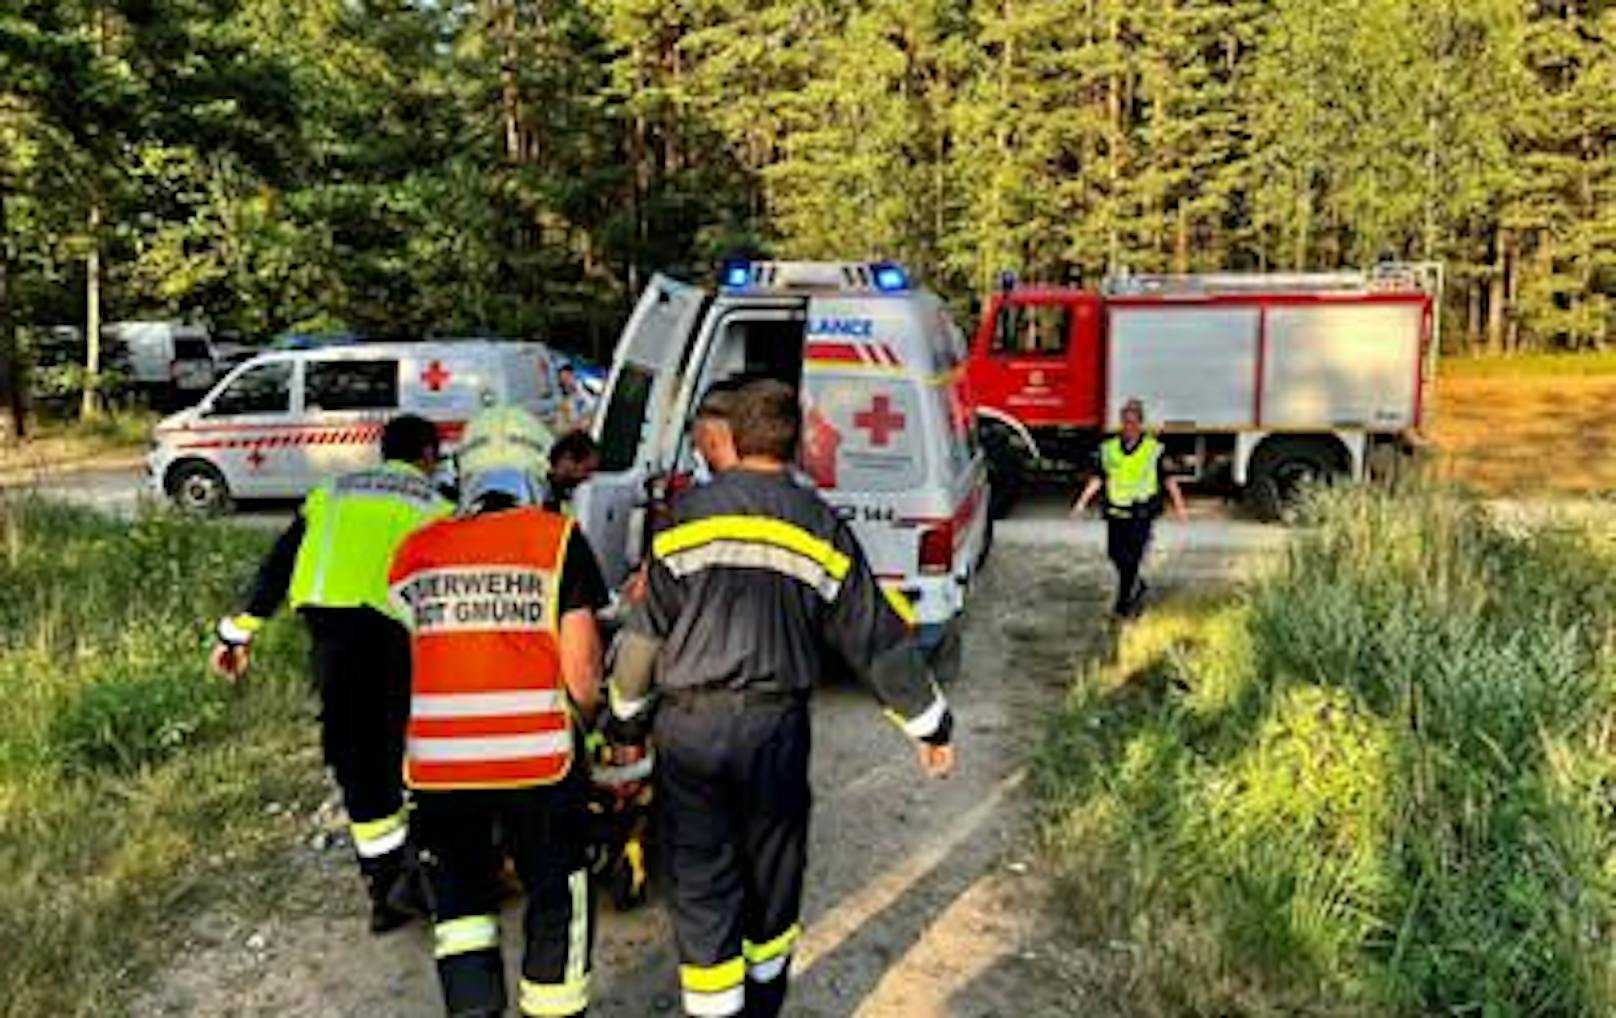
x=1132, y=480
x=501, y=602
x=333, y=562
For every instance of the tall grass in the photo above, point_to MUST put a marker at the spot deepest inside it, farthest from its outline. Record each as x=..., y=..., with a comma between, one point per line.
x=129, y=779
x=1379, y=782
x=1538, y=365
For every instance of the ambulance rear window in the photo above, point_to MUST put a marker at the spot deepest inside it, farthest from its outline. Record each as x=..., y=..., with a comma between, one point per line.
x=862, y=434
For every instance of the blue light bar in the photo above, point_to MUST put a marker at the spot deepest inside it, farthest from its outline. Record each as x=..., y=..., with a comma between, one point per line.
x=737, y=275
x=890, y=278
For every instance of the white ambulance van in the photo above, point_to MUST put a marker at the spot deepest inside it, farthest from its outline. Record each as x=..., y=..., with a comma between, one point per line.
x=280, y=423
x=887, y=428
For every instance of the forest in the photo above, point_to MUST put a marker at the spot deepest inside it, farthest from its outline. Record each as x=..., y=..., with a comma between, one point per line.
x=520, y=167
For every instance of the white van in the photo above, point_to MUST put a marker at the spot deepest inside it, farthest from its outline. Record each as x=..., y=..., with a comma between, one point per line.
x=168, y=360
x=281, y=423
x=887, y=437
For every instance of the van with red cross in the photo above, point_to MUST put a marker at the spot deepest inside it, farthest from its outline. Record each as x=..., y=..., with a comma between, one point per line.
x=286, y=420
x=888, y=435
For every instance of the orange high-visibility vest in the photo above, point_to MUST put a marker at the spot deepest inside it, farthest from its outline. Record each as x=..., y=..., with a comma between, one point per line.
x=481, y=596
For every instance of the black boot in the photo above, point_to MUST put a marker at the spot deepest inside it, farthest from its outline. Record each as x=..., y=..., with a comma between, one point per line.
x=397, y=890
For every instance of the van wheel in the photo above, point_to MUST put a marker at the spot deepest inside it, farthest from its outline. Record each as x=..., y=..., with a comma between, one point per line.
x=1283, y=469
x=1008, y=467
x=198, y=489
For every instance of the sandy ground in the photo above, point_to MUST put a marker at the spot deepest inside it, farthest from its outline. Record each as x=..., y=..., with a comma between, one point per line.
x=925, y=898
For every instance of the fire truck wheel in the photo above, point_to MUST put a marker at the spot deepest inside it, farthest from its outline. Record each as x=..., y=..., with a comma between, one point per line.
x=1008, y=464
x=1282, y=469
x=198, y=488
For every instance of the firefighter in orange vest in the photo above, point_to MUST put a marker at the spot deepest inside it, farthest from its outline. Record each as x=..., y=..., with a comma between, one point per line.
x=501, y=604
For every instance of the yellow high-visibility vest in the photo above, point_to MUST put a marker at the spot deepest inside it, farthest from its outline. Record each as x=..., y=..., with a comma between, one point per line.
x=352, y=527
x=1131, y=478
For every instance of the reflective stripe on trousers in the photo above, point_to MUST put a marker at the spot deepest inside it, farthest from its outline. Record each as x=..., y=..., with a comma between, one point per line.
x=714, y=991
x=375, y=838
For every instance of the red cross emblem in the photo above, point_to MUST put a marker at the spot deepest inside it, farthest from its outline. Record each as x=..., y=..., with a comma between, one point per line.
x=880, y=420
x=255, y=458
x=435, y=377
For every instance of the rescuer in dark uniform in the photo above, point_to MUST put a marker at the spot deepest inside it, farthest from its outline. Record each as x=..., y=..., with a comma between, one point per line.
x=754, y=577
x=1132, y=479
x=332, y=562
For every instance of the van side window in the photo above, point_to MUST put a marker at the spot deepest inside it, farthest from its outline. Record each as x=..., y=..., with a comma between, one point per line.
x=190, y=348
x=625, y=418
x=1032, y=329
x=265, y=389
x=350, y=385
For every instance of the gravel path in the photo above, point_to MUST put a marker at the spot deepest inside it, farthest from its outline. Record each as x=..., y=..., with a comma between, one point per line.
x=925, y=898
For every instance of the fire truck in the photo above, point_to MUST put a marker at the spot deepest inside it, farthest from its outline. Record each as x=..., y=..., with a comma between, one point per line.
x=1257, y=383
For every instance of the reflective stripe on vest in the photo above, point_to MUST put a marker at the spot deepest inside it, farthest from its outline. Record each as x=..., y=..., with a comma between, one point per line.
x=481, y=597
x=1131, y=478
x=352, y=527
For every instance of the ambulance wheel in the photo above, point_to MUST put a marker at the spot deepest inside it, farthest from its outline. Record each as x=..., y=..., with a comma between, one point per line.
x=1008, y=466
x=1283, y=469
x=198, y=488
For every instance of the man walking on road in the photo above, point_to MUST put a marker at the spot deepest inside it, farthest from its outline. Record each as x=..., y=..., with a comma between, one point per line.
x=1132, y=478
x=333, y=562
x=753, y=576
x=501, y=602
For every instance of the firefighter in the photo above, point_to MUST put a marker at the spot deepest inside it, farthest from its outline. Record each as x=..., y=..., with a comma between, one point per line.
x=1132, y=478
x=501, y=601
x=753, y=576
x=333, y=562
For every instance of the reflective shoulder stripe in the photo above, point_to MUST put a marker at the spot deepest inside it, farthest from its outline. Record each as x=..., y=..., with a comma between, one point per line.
x=466, y=934
x=751, y=555
x=755, y=529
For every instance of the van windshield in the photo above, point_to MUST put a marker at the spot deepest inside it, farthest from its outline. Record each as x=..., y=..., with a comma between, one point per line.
x=862, y=434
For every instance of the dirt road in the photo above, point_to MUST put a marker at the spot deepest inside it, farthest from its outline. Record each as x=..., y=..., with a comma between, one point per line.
x=924, y=898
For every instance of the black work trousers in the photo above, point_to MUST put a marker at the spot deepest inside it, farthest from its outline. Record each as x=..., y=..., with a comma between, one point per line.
x=734, y=798
x=465, y=836
x=360, y=661
x=1127, y=538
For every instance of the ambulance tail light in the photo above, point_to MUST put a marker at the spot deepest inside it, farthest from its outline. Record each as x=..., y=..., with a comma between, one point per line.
x=937, y=549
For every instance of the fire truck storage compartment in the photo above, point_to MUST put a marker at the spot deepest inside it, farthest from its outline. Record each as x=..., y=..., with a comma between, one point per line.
x=1344, y=365
x=1193, y=365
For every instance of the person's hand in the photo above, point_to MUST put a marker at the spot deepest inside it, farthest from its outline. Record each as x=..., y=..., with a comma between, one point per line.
x=936, y=761
x=1181, y=514
x=1078, y=509
x=230, y=661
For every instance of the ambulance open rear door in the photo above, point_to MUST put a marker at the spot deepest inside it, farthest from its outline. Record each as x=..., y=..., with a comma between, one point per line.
x=634, y=428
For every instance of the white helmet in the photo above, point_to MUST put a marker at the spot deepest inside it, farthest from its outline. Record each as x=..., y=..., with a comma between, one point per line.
x=505, y=452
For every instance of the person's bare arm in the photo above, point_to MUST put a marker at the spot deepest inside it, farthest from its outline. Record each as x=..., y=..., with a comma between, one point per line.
x=1175, y=492
x=1090, y=490
x=581, y=660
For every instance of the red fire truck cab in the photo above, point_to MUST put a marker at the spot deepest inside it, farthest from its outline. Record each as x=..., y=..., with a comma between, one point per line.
x=1260, y=383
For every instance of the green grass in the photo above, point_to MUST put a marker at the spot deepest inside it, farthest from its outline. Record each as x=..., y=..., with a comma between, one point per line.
x=1537, y=365
x=1378, y=782
x=133, y=785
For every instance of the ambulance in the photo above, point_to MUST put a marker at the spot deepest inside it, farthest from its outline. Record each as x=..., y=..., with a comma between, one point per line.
x=286, y=420
x=888, y=437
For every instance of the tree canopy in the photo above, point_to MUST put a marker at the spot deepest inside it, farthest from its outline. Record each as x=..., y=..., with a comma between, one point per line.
x=519, y=167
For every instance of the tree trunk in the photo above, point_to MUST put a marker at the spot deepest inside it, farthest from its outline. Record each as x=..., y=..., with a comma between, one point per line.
x=510, y=86
x=1475, y=299
x=90, y=407
x=1498, y=293
x=10, y=362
